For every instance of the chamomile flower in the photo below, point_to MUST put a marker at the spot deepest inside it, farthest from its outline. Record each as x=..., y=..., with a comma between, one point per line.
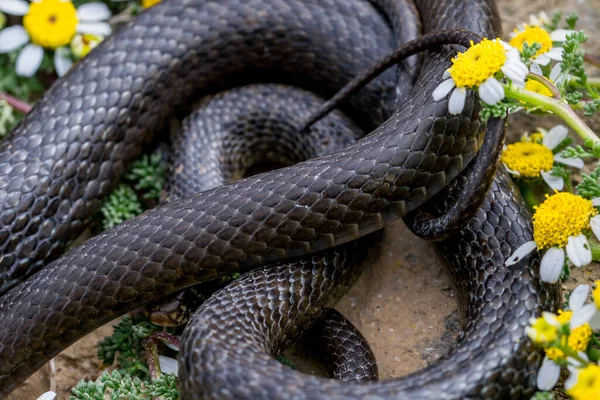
x=477, y=68
x=82, y=44
x=536, y=34
x=560, y=224
x=49, y=24
x=532, y=157
x=585, y=384
x=543, y=330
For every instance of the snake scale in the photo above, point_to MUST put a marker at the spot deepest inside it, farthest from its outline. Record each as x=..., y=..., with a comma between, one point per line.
x=71, y=149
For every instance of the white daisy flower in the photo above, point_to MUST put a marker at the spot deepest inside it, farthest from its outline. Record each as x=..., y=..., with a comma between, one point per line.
x=532, y=157
x=49, y=24
x=476, y=69
x=549, y=221
x=535, y=34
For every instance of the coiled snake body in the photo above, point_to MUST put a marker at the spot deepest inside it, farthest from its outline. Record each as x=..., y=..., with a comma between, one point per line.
x=70, y=150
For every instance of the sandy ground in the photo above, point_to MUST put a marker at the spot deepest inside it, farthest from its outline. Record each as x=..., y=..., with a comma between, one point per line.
x=403, y=303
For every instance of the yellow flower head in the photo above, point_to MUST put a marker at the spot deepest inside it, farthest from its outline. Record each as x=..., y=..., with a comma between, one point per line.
x=596, y=294
x=528, y=158
x=531, y=35
x=535, y=86
x=543, y=330
x=478, y=63
x=580, y=338
x=587, y=386
x=51, y=23
x=81, y=45
x=560, y=216
x=554, y=353
x=149, y=3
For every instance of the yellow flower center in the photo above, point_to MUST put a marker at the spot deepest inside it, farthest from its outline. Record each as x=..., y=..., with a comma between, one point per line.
x=478, y=63
x=596, y=294
x=580, y=338
x=560, y=216
x=554, y=353
x=587, y=386
x=535, y=86
x=51, y=23
x=531, y=35
x=528, y=158
x=149, y=3
x=542, y=331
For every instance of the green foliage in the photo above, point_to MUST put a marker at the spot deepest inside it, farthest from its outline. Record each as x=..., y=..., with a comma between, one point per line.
x=285, y=361
x=571, y=21
x=123, y=386
x=572, y=59
x=121, y=205
x=18, y=86
x=148, y=175
x=560, y=170
x=591, y=107
x=126, y=343
x=589, y=187
x=499, y=110
x=574, y=97
x=115, y=6
x=9, y=118
x=577, y=151
x=553, y=25
x=528, y=51
x=543, y=396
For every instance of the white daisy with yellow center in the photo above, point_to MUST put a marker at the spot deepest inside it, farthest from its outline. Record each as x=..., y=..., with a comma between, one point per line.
x=479, y=68
x=561, y=224
x=532, y=157
x=49, y=24
x=548, y=51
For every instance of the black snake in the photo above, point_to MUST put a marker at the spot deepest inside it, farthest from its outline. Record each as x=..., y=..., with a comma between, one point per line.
x=71, y=149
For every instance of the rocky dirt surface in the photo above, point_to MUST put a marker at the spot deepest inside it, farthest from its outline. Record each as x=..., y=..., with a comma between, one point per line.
x=403, y=303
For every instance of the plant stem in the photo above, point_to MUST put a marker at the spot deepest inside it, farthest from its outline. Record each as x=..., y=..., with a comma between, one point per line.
x=557, y=107
x=529, y=196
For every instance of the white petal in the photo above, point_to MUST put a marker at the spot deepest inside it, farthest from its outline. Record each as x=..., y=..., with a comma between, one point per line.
x=446, y=74
x=512, y=172
x=62, y=63
x=578, y=250
x=595, y=224
x=91, y=12
x=168, y=365
x=596, y=201
x=595, y=321
x=443, y=89
x=548, y=374
x=12, y=38
x=543, y=59
x=555, y=136
x=521, y=252
x=551, y=318
x=572, y=379
x=583, y=315
x=560, y=35
x=456, y=104
x=552, y=265
x=535, y=68
x=94, y=28
x=491, y=91
x=29, y=60
x=14, y=7
x=555, y=73
x=578, y=297
x=555, y=53
x=47, y=396
x=555, y=182
x=571, y=161
x=515, y=70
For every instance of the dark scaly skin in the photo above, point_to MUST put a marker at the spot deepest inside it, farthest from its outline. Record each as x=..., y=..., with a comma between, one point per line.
x=252, y=222
x=227, y=347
